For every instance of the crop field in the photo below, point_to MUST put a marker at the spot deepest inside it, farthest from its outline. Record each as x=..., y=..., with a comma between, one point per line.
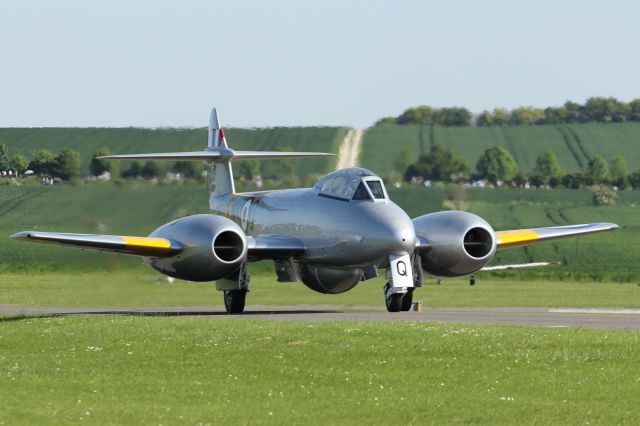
x=200, y=370
x=574, y=145
x=138, y=140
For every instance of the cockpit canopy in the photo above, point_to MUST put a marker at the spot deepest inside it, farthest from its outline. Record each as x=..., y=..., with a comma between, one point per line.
x=352, y=184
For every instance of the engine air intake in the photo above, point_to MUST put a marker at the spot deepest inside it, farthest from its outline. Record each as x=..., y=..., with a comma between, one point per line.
x=478, y=242
x=228, y=246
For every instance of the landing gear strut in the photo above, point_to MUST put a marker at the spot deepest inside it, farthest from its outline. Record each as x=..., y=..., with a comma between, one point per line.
x=235, y=288
x=234, y=301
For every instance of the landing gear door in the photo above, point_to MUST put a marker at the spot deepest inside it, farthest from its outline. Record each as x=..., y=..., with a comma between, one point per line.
x=401, y=271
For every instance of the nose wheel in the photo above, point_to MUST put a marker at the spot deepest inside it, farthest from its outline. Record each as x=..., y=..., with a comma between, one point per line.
x=407, y=300
x=397, y=302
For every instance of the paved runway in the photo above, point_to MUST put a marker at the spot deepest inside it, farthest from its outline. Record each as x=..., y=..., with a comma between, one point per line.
x=542, y=317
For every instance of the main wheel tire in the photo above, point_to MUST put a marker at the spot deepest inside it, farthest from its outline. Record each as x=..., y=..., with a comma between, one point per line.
x=393, y=301
x=234, y=301
x=407, y=300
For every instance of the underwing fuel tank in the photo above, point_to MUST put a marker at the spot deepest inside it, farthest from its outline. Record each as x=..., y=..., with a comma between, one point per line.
x=213, y=248
x=459, y=243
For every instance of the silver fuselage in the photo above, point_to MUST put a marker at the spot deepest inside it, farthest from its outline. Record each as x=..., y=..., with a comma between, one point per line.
x=349, y=234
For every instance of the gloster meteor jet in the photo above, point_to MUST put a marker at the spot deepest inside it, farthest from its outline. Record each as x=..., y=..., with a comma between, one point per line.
x=331, y=237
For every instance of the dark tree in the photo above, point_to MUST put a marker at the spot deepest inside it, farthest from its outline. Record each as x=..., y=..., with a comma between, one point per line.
x=4, y=156
x=150, y=170
x=496, y=163
x=598, y=170
x=386, y=120
x=546, y=167
x=19, y=162
x=67, y=165
x=485, y=119
x=134, y=170
x=43, y=163
x=619, y=172
x=98, y=167
x=440, y=164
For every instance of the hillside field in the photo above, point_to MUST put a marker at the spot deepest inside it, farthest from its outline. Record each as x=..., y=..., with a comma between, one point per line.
x=137, y=140
x=574, y=145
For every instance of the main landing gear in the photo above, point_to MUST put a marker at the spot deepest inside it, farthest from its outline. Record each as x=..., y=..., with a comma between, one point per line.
x=235, y=288
x=234, y=301
x=397, y=302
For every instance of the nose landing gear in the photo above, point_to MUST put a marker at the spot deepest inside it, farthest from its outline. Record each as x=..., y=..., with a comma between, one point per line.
x=403, y=275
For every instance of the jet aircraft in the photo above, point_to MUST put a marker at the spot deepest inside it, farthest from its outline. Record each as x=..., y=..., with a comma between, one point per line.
x=331, y=237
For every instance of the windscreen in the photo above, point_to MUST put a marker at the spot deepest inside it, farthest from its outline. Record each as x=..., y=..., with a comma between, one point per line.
x=376, y=189
x=341, y=186
x=361, y=193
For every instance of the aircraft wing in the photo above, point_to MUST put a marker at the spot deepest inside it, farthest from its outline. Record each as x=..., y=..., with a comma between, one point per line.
x=518, y=266
x=521, y=237
x=260, y=247
x=274, y=247
x=139, y=246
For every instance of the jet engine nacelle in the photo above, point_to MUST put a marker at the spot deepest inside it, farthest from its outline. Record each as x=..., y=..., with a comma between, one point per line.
x=460, y=243
x=213, y=248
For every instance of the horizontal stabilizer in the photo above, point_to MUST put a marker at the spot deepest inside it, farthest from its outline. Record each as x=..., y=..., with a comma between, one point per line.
x=521, y=237
x=139, y=246
x=216, y=154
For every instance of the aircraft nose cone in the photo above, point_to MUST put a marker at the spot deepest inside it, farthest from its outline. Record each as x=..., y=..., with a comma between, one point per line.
x=403, y=237
x=385, y=230
x=395, y=237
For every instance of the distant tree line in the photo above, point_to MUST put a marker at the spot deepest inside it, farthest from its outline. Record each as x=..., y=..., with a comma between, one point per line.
x=18, y=162
x=594, y=110
x=447, y=117
x=65, y=164
x=496, y=165
x=144, y=170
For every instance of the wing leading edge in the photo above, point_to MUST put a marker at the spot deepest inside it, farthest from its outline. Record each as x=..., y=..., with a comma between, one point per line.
x=521, y=237
x=260, y=247
x=139, y=246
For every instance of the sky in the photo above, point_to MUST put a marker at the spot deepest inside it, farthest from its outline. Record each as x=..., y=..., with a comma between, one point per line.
x=69, y=63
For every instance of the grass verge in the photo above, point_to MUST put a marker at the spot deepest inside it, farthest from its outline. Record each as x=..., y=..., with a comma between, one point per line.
x=159, y=370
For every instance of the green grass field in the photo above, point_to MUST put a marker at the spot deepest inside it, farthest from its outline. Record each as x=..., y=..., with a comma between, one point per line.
x=200, y=370
x=574, y=145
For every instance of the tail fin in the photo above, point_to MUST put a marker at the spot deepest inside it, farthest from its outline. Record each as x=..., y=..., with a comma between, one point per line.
x=216, y=132
x=220, y=172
